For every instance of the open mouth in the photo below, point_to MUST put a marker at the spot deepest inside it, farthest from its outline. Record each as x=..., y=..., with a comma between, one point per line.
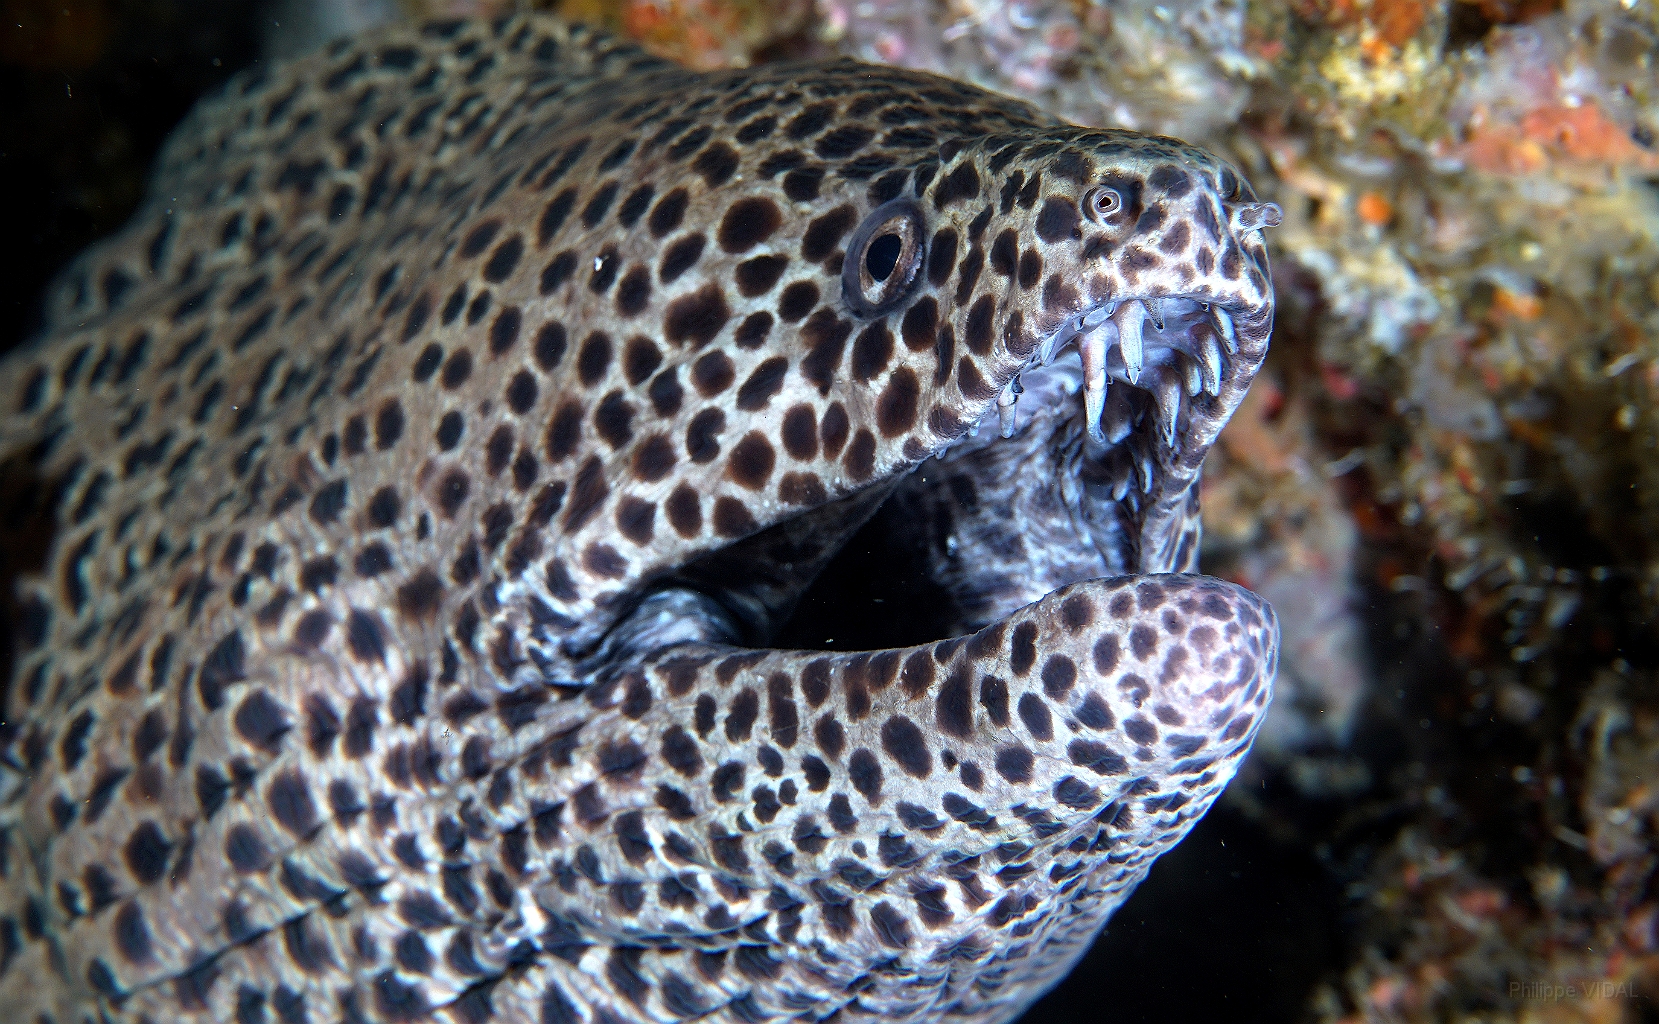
x=1084, y=466
x=1161, y=345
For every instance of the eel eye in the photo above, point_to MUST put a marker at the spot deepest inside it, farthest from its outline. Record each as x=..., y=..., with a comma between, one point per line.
x=884, y=258
x=1101, y=202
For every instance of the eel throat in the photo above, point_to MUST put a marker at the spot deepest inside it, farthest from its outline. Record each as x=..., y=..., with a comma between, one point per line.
x=435, y=462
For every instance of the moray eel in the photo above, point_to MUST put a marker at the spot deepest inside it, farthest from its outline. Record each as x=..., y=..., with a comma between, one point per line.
x=429, y=462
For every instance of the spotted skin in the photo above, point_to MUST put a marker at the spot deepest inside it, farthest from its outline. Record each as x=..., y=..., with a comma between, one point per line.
x=426, y=466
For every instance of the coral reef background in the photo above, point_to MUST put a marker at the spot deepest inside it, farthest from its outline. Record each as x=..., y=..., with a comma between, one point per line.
x=1447, y=479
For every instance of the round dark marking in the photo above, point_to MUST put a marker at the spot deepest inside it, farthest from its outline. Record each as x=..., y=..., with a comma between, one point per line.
x=1004, y=253
x=752, y=460
x=712, y=374
x=745, y=709
x=861, y=456
x=448, y=434
x=653, y=458
x=636, y=518
x=550, y=345
x=1035, y=714
x=1058, y=220
x=634, y=293
x=594, y=358
x=953, y=711
x=1059, y=675
x=553, y=216
x=716, y=164
x=504, y=260
x=864, y=771
x=328, y=503
x=701, y=433
x=146, y=853
x=904, y=743
x=797, y=300
x=872, y=351
x=832, y=429
x=1140, y=730
x=752, y=332
x=993, y=696
x=613, y=420
x=521, y=392
x=757, y=276
x=457, y=370
x=749, y=222
x=384, y=507
x=669, y=212
x=732, y=518
x=1143, y=642
x=765, y=381
x=685, y=512
x=1014, y=764
x=921, y=324
x=245, y=850
x=479, y=239
x=388, y=424
x=697, y=318
x=557, y=272
x=634, y=207
x=504, y=331
x=452, y=492
x=680, y=256
x=896, y=408
x=132, y=934
x=825, y=232
x=800, y=433
x=599, y=205
x=1023, y=652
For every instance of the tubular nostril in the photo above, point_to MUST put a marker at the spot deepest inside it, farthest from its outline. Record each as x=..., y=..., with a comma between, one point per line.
x=1258, y=215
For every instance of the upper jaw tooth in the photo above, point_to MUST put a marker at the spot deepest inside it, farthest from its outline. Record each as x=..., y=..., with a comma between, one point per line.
x=1167, y=393
x=1155, y=312
x=1129, y=339
x=1093, y=347
x=1224, y=326
x=1006, y=400
x=1211, y=365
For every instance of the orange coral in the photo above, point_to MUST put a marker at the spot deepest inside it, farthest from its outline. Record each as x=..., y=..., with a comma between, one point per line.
x=1374, y=210
x=1397, y=21
x=1581, y=134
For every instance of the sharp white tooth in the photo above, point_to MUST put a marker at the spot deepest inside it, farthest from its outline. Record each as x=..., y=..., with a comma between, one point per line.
x=1155, y=310
x=1056, y=341
x=1168, y=395
x=1144, y=464
x=1212, y=365
x=1092, y=347
x=1120, y=487
x=1224, y=324
x=1195, y=377
x=1006, y=401
x=1099, y=315
x=1129, y=340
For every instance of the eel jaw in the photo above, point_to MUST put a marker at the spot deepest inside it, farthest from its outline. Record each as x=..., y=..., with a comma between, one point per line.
x=1125, y=396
